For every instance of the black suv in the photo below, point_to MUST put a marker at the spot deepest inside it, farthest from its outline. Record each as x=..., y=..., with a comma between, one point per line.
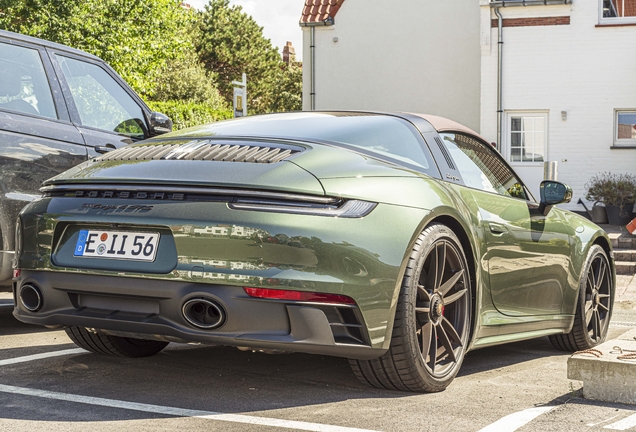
x=58, y=107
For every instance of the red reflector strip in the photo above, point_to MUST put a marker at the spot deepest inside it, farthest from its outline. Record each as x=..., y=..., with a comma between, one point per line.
x=298, y=296
x=16, y=273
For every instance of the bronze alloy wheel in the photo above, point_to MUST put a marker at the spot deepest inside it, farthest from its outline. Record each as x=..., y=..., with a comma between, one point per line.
x=441, y=308
x=595, y=303
x=598, y=298
x=432, y=322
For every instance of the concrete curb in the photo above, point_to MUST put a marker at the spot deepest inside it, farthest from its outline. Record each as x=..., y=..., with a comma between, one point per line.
x=606, y=377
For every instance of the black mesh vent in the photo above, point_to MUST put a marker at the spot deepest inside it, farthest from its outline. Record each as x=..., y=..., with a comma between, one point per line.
x=202, y=151
x=442, y=148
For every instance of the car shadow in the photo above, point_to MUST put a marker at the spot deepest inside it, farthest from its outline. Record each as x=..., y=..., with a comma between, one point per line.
x=219, y=379
x=9, y=325
x=509, y=354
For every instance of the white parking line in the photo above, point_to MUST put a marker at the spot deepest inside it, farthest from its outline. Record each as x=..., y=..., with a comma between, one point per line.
x=514, y=421
x=177, y=412
x=41, y=356
x=626, y=423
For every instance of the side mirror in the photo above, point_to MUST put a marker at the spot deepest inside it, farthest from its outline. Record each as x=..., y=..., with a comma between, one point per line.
x=159, y=124
x=552, y=193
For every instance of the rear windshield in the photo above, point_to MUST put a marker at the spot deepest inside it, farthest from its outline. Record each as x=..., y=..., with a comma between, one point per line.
x=390, y=138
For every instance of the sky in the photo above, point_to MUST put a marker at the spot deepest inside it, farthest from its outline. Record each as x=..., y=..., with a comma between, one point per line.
x=279, y=19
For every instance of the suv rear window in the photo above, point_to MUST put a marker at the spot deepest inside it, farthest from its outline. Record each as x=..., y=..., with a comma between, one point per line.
x=24, y=86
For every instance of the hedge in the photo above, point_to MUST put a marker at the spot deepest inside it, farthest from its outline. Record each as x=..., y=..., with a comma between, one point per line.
x=184, y=115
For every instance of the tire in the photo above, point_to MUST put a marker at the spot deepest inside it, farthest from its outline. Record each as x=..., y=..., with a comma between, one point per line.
x=101, y=343
x=594, y=305
x=435, y=301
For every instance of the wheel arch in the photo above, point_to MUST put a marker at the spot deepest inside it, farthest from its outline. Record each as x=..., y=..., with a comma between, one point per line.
x=607, y=247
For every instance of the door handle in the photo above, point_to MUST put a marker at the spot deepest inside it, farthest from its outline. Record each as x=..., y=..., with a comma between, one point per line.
x=497, y=229
x=105, y=148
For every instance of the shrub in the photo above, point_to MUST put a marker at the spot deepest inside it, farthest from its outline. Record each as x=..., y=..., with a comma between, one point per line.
x=612, y=189
x=185, y=115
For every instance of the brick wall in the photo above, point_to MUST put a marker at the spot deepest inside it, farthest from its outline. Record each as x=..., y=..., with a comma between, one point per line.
x=533, y=22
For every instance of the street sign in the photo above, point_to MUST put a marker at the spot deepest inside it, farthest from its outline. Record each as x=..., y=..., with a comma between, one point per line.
x=240, y=97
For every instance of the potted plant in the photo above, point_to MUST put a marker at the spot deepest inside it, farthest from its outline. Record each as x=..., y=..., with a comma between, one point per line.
x=617, y=192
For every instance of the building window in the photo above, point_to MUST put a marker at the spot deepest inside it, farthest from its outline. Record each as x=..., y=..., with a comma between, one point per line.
x=625, y=123
x=618, y=11
x=527, y=137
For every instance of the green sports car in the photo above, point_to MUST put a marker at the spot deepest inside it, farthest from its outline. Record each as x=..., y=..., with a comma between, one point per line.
x=399, y=241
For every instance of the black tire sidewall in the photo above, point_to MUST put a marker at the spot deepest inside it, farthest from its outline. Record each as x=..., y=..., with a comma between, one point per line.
x=429, y=237
x=594, y=251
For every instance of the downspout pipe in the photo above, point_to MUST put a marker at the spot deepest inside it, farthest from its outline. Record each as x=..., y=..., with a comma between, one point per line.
x=496, y=5
x=312, y=48
x=500, y=111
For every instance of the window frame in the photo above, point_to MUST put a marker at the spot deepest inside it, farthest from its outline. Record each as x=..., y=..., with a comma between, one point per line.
x=613, y=20
x=507, y=153
x=61, y=112
x=624, y=142
x=68, y=95
x=529, y=196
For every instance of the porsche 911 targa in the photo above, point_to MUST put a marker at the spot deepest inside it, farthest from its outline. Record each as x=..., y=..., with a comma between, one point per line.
x=398, y=241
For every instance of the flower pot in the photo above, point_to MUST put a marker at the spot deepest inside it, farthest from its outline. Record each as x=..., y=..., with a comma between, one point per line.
x=598, y=214
x=616, y=216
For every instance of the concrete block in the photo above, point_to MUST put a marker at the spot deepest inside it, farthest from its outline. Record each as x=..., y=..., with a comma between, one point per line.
x=625, y=268
x=607, y=378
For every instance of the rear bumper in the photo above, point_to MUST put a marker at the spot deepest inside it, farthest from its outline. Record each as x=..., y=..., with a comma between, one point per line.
x=152, y=309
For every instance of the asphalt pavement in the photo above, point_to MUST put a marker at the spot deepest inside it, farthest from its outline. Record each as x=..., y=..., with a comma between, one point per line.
x=47, y=383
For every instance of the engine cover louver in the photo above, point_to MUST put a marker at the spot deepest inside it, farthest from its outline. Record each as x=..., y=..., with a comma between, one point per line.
x=201, y=151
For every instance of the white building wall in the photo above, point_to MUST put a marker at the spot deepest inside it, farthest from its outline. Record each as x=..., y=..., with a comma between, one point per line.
x=582, y=69
x=418, y=56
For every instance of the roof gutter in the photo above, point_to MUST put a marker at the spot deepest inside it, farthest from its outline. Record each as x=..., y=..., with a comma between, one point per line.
x=512, y=3
x=312, y=48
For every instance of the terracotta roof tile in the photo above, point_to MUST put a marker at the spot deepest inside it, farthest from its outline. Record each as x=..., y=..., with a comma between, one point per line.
x=320, y=10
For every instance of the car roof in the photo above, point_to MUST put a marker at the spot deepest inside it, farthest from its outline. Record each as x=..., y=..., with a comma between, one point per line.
x=442, y=124
x=44, y=43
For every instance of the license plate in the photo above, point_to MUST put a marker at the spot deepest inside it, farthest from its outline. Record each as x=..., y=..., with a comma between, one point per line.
x=122, y=245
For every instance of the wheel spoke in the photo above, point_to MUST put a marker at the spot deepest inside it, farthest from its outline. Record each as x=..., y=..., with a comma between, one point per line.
x=443, y=289
x=447, y=343
x=427, y=331
x=422, y=310
x=595, y=325
x=432, y=349
x=603, y=306
x=450, y=330
x=441, y=264
x=588, y=315
x=453, y=298
x=590, y=281
x=603, y=295
x=601, y=274
x=422, y=290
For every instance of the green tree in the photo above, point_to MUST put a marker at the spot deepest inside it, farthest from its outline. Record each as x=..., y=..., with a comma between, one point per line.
x=231, y=43
x=289, y=89
x=187, y=80
x=136, y=37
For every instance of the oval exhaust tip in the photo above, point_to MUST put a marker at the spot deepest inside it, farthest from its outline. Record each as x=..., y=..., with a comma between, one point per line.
x=31, y=297
x=203, y=313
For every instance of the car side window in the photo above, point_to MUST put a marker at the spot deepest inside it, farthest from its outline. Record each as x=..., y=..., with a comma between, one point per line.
x=101, y=102
x=24, y=86
x=481, y=168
